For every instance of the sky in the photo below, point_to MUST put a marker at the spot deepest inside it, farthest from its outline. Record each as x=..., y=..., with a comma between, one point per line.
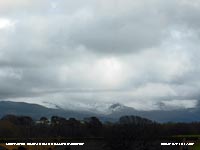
x=83, y=54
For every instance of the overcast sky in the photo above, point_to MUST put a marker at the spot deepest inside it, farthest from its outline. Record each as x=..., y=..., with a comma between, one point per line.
x=141, y=53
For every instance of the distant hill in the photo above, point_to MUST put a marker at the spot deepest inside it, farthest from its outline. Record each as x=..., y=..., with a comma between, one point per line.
x=115, y=112
x=179, y=115
x=36, y=111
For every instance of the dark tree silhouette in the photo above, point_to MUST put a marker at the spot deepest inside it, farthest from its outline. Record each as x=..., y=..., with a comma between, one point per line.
x=44, y=120
x=21, y=148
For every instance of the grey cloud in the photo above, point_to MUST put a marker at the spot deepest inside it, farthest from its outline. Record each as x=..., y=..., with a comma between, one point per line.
x=100, y=51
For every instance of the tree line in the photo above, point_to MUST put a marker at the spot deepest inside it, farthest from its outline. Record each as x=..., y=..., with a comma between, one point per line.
x=118, y=135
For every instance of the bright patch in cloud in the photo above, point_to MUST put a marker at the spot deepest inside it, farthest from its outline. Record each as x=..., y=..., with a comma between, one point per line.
x=5, y=23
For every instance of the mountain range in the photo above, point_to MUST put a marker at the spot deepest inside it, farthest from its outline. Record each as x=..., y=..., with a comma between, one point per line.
x=36, y=111
x=114, y=112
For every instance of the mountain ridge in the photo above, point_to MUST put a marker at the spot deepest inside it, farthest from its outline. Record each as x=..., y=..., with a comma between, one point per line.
x=36, y=110
x=116, y=110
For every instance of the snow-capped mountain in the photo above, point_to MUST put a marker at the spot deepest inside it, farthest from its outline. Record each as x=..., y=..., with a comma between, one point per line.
x=96, y=108
x=116, y=107
x=108, y=112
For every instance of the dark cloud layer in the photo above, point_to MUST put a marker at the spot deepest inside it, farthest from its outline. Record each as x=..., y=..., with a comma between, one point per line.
x=96, y=52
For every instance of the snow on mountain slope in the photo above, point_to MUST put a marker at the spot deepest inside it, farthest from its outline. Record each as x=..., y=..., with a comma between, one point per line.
x=104, y=109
